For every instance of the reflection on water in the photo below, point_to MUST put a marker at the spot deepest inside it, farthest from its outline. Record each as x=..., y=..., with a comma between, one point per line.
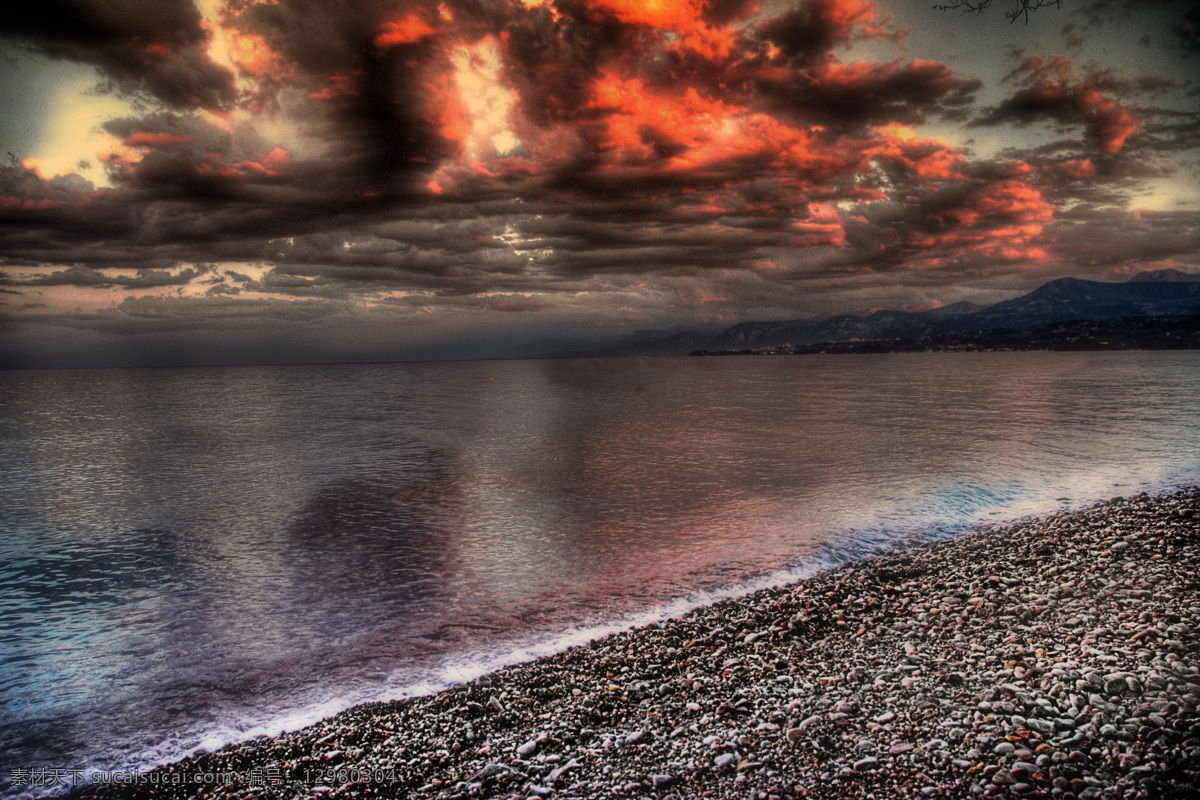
x=194, y=553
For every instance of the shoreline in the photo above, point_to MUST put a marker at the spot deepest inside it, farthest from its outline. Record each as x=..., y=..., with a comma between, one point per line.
x=1056, y=656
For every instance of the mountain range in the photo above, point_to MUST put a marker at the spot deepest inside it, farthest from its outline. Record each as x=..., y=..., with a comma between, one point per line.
x=1159, y=293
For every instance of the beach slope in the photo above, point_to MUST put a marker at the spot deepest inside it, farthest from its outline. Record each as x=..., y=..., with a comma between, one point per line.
x=1053, y=657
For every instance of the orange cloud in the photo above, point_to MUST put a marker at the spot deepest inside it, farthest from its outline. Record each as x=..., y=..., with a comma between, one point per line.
x=845, y=12
x=339, y=87
x=693, y=133
x=1110, y=123
x=1049, y=92
x=252, y=54
x=161, y=51
x=148, y=139
x=808, y=30
x=277, y=158
x=408, y=30
x=683, y=17
x=1076, y=169
x=269, y=166
x=822, y=228
x=926, y=158
x=1017, y=207
x=996, y=220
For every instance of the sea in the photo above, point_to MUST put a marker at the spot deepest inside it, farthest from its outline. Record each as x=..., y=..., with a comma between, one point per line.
x=191, y=557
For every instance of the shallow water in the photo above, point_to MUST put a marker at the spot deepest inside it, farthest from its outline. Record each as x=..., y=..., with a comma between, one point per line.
x=198, y=555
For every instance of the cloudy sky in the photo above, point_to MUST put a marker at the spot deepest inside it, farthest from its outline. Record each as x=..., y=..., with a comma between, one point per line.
x=194, y=181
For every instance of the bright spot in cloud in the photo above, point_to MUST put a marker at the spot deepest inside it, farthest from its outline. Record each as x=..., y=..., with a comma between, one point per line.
x=219, y=43
x=900, y=132
x=521, y=244
x=72, y=140
x=487, y=101
x=505, y=141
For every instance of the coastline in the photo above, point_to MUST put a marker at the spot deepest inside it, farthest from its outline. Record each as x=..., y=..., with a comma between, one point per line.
x=1057, y=656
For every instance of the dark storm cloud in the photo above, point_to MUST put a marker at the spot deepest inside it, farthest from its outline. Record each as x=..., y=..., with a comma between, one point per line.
x=1072, y=35
x=1170, y=131
x=1047, y=91
x=373, y=79
x=85, y=276
x=727, y=12
x=1188, y=30
x=370, y=83
x=1123, y=141
x=808, y=31
x=157, y=48
x=662, y=163
x=222, y=289
x=553, y=63
x=977, y=227
x=18, y=182
x=831, y=93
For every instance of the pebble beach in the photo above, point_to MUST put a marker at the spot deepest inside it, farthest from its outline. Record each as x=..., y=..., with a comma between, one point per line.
x=1055, y=656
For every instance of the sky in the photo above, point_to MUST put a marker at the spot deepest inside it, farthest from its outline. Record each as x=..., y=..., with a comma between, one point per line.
x=259, y=181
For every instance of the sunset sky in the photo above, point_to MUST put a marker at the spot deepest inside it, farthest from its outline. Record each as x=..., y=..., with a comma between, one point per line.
x=232, y=181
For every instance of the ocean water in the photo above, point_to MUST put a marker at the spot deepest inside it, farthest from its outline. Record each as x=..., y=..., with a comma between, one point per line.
x=195, y=556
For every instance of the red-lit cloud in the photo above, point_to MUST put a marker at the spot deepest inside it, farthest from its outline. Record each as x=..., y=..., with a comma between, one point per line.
x=156, y=139
x=552, y=155
x=1047, y=92
x=407, y=30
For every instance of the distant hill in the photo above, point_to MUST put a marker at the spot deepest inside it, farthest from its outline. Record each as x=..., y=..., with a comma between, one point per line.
x=1170, y=332
x=1165, y=276
x=880, y=325
x=1074, y=299
x=1158, y=293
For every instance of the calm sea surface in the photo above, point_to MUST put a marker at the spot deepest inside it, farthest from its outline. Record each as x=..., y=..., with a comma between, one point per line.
x=195, y=556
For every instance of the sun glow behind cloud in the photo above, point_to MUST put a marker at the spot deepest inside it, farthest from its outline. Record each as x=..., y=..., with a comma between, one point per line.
x=487, y=101
x=72, y=141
